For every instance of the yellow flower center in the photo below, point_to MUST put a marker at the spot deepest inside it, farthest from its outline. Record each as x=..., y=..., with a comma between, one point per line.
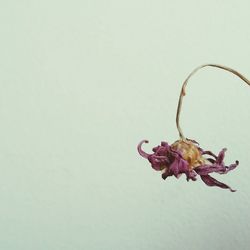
x=190, y=152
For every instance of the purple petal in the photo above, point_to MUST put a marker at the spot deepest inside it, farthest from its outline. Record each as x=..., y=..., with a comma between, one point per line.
x=141, y=152
x=191, y=175
x=232, y=166
x=178, y=166
x=158, y=159
x=217, y=165
x=210, y=181
x=207, y=169
x=215, y=168
x=226, y=169
x=158, y=162
x=221, y=156
x=171, y=162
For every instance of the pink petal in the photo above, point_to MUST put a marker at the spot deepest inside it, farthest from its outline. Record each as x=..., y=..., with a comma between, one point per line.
x=141, y=152
x=210, y=181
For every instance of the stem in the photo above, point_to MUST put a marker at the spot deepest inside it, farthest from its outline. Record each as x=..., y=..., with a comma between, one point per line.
x=183, y=93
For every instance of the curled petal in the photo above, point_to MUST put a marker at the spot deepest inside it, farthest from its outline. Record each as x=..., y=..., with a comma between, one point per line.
x=216, y=166
x=159, y=159
x=226, y=169
x=141, y=152
x=232, y=166
x=210, y=181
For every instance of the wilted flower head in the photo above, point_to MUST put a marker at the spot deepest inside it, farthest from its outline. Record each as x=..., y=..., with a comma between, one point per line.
x=185, y=156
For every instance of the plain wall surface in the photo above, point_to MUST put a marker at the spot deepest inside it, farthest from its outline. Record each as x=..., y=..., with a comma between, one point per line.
x=81, y=83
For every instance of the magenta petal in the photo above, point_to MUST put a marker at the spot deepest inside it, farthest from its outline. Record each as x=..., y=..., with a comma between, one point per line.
x=232, y=166
x=158, y=162
x=159, y=159
x=208, y=169
x=178, y=166
x=221, y=156
x=141, y=152
x=210, y=181
x=191, y=175
x=216, y=166
x=171, y=162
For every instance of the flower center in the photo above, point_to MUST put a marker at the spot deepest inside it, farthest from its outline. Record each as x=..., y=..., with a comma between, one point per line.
x=190, y=152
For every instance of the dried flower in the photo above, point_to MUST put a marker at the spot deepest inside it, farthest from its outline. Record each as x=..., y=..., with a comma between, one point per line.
x=185, y=156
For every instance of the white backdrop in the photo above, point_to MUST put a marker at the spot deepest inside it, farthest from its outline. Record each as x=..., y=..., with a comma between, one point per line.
x=81, y=83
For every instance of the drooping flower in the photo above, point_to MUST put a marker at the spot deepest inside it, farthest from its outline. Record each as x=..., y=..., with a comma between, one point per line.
x=185, y=156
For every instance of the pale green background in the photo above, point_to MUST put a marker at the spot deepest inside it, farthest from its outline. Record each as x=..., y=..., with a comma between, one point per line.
x=81, y=83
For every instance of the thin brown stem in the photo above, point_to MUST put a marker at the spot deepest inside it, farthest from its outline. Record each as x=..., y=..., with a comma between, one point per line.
x=183, y=93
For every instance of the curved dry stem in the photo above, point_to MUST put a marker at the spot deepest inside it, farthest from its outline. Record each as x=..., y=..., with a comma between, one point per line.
x=183, y=93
